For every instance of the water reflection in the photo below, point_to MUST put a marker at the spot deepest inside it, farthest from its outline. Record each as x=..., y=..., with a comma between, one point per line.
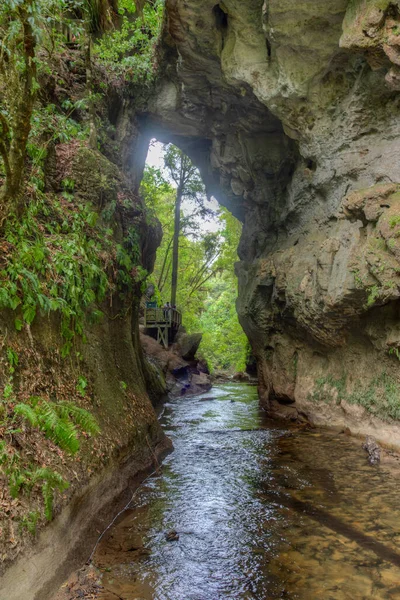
x=260, y=511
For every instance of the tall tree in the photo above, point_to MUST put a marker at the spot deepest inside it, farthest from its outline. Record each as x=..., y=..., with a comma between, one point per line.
x=18, y=35
x=189, y=185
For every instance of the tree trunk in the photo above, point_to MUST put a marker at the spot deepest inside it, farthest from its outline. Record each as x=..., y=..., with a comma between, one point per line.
x=13, y=147
x=175, y=251
x=89, y=91
x=164, y=263
x=165, y=277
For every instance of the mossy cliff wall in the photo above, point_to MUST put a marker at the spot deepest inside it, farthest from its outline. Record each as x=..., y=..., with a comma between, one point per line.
x=88, y=234
x=291, y=110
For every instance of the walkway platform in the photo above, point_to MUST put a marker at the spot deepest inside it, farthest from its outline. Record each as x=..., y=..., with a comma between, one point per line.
x=165, y=321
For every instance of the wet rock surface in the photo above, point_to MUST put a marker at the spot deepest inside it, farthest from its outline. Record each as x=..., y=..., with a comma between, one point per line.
x=373, y=451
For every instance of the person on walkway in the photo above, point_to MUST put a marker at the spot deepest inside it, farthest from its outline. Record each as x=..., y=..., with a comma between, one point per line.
x=167, y=308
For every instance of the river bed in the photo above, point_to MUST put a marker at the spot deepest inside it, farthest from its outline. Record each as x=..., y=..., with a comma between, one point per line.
x=246, y=508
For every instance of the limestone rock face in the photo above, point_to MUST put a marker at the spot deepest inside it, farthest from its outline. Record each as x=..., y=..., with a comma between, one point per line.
x=186, y=345
x=291, y=111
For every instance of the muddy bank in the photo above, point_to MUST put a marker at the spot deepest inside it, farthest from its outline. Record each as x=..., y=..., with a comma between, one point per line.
x=67, y=542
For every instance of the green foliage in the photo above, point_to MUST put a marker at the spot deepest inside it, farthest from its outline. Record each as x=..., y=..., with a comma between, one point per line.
x=30, y=521
x=46, y=479
x=207, y=287
x=185, y=174
x=373, y=295
x=358, y=279
x=81, y=385
x=50, y=482
x=395, y=352
x=224, y=345
x=59, y=421
x=54, y=265
x=324, y=387
x=395, y=220
x=130, y=50
x=381, y=397
x=12, y=358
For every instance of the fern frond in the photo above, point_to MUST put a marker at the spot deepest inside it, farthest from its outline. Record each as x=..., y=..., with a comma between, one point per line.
x=16, y=481
x=48, y=497
x=51, y=477
x=28, y=413
x=47, y=416
x=51, y=481
x=65, y=436
x=80, y=416
x=58, y=421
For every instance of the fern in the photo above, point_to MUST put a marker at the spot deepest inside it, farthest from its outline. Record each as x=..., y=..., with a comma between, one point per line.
x=16, y=481
x=80, y=416
x=61, y=431
x=28, y=413
x=48, y=497
x=48, y=418
x=30, y=521
x=51, y=481
x=65, y=435
x=52, y=477
x=59, y=421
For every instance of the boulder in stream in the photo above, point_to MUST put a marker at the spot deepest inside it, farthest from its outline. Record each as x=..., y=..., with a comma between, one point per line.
x=373, y=450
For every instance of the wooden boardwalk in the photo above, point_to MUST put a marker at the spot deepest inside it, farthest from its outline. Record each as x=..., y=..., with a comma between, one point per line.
x=165, y=320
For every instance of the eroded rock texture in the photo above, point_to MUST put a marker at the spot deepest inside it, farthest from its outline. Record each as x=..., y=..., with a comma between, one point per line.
x=291, y=110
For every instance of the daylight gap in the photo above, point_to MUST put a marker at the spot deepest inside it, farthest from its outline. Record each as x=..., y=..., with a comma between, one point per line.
x=194, y=268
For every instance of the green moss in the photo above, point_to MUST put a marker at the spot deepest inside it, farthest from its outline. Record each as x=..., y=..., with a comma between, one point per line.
x=96, y=178
x=324, y=388
x=393, y=221
x=381, y=397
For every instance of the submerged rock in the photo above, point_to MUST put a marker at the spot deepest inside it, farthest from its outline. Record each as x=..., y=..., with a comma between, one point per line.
x=172, y=536
x=373, y=450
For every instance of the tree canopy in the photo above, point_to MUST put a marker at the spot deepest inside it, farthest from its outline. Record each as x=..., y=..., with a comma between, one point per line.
x=207, y=288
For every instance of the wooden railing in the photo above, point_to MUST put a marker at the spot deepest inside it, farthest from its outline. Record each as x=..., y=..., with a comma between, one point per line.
x=169, y=317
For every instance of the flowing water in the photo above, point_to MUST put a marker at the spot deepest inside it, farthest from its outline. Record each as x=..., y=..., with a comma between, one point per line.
x=255, y=510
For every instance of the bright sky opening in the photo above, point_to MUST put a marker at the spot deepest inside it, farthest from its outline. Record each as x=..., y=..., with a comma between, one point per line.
x=155, y=158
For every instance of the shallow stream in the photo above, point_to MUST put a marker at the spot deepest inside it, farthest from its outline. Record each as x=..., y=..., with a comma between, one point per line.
x=255, y=510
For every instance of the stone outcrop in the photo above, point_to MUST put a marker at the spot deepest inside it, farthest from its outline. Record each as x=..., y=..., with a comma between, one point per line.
x=187, y=344
x=178, y=368
x=291, y=111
